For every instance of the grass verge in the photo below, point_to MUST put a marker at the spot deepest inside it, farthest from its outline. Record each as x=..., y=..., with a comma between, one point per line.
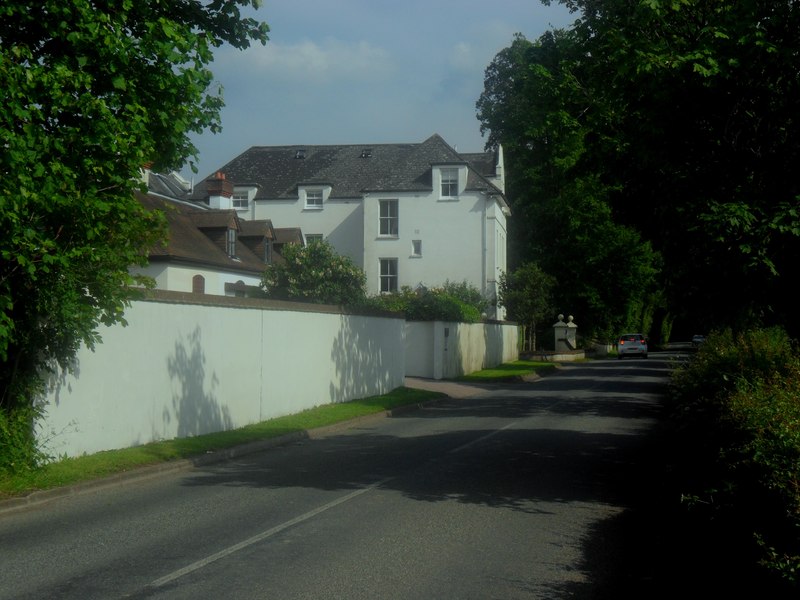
x=511, y=371
x=71, y=471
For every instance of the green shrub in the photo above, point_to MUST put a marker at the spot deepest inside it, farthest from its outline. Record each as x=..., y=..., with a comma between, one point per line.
x=725, y=358
x=467, y=294
x=434, y=304
x=737, y=404
x=766, y=414
x=19, y=450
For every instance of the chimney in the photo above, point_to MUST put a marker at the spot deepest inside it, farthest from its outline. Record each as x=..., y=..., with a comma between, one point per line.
x=220, y=191
x=145, y=173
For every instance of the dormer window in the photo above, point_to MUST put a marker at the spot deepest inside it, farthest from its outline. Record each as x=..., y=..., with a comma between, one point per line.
x=243, y=195
x=314, y=199
x=241, y=200
x=230, y=243
x=449, y=183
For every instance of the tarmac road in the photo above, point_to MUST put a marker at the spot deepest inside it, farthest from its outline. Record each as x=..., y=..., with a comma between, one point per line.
x=518, y=490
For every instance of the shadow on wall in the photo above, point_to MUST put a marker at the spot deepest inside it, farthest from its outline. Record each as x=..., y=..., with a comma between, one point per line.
x=197, y=411
x=57, y=379
x=359, y=362
x=495, y=346
x=453, y=359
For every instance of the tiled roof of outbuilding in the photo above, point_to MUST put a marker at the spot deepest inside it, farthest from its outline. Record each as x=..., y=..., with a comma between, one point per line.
x=288, y=235
x=187, y=242
x=213, y=219
x=350, y=170
x=256, y=229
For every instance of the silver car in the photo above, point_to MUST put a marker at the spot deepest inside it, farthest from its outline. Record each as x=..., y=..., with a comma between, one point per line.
x=631, y=344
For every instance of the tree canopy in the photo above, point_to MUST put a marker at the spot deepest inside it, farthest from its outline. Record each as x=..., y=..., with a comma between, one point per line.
x=315, y=273
x=527, y=295
x=92, y=91
x=536, y=105
x=676, y=124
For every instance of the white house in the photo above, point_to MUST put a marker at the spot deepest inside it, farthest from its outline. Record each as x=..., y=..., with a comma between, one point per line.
x=206, y=251
x=408, y=214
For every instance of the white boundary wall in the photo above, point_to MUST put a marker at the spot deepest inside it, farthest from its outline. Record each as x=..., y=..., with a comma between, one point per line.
x=188, y=365
x=445, y=350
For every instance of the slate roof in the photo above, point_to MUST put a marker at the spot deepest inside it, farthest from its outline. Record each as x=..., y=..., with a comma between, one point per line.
x=256, y=229
x=288, y=235
x=188, y=243
x=167, y=184
x=350, y=170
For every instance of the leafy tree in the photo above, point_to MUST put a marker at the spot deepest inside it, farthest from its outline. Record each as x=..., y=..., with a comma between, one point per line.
x=537, y=104
x=315, y=273
x=707, y=137
x=91, y=92
x=527, y=295
x=531, y=104
x=682, y=117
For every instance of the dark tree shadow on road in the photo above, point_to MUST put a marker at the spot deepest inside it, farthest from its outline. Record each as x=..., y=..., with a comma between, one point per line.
x=600, y=447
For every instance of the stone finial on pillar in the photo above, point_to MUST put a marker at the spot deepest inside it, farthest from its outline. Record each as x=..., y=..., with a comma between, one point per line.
x=565, y=334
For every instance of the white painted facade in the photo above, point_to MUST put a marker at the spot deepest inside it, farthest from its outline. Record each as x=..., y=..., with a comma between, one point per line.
x=455, y=238
x=339, y=220
x=450, y=213
x=180, y=277
x=438, y=239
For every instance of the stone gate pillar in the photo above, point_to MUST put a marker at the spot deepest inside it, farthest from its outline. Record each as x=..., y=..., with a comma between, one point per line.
x=565, y=334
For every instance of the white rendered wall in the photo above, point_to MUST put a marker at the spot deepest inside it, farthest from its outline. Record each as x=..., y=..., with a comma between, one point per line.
x=419, y=349
x=462, y=239
x=185, y=369
x=178, y=278
x=445, y=350
x=339, y=221
x=457, y=237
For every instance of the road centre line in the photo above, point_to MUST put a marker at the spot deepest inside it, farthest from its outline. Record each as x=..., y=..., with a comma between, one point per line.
x=480, y=439
x=195, y=566
x=261, y=536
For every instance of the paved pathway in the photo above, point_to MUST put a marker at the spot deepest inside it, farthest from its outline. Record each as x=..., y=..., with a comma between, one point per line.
x=454, y=389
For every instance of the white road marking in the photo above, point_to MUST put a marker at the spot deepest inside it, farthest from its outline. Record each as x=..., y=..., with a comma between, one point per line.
x=290, y=523
x=480, y=439
x=261, y=536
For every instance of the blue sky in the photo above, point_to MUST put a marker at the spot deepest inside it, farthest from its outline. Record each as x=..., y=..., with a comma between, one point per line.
x=365, y=72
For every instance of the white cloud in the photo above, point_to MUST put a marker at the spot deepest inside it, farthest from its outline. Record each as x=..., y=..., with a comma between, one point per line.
x=330, y=60
x=361, y=71
x=462, y=57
